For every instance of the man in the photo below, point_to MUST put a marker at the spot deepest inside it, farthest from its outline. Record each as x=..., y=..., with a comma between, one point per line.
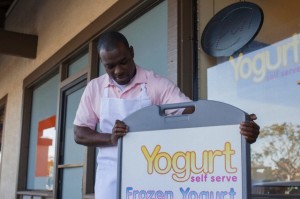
x=107, y=100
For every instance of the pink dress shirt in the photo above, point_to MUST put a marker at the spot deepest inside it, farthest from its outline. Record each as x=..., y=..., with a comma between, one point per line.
x=159, y=89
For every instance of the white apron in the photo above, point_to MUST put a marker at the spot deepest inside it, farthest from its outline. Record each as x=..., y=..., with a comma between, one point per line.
x=113, y=109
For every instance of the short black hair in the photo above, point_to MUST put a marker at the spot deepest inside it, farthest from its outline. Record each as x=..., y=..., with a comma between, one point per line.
x=110, y=40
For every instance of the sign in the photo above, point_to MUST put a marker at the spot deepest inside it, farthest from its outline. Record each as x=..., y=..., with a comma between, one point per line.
x=187, y=163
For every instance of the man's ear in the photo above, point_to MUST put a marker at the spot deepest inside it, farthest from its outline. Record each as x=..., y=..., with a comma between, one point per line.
x=131, y=51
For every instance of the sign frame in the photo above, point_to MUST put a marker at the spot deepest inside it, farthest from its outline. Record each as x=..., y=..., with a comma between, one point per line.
x=207, y=113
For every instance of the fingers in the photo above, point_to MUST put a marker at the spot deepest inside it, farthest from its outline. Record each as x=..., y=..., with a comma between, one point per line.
x=250, y=130
x=120, y=129
x=252, y=116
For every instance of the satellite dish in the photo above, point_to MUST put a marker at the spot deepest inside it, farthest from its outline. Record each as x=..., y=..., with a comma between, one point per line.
x=231, y=29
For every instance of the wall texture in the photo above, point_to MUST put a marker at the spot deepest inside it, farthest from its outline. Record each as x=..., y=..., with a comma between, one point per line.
x=55, y=23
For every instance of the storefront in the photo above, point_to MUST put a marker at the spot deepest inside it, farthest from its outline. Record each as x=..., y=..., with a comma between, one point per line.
x=39, y=96
x=262, y=78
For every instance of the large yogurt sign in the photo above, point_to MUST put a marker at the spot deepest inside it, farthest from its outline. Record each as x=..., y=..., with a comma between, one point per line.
x=189, y=163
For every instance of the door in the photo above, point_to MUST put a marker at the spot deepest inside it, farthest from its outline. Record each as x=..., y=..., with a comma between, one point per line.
x=71, y=155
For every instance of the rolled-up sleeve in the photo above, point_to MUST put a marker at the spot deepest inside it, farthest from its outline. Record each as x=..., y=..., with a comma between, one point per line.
x=166, y=92
x=86, y=114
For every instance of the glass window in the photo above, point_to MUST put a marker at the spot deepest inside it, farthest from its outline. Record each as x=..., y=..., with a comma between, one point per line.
x=263, y=78
x=42, y=136
x=73, y=155
x=149, y=36
x=31, y=197
x=78, y=64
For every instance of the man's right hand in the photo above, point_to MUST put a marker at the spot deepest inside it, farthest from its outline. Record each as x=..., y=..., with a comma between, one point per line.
x=120, y=129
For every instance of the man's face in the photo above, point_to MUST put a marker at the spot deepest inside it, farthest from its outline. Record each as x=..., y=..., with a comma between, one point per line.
x=118, y=63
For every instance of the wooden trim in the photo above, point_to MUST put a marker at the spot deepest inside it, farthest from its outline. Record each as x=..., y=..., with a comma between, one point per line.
x=88, y=196
x=18, y=44
x=172, y=40
x=186, y=38
x=3, y=102
x=24, y=148
x=89, y=167
x=63, y=71
x=93, y=60
x=89, y=171
x=79, y=74
x=36, y=193
x=39, y=76
x=64, y=166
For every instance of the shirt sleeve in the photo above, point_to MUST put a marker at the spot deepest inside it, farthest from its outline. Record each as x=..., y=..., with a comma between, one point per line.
x=86, y=113
x=170, y=93
x=166, y=92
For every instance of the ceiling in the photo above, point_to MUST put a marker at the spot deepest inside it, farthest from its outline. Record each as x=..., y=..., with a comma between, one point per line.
x=4, y=7
x=14, y=43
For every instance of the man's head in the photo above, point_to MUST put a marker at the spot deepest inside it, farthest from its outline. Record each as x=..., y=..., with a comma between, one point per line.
x=117, y=57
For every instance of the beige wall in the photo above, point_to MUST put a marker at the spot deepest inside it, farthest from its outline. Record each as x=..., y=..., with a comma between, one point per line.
x=55, y=23
x=281, y=20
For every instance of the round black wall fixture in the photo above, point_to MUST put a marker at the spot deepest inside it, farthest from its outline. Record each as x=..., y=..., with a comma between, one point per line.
x=231, y=28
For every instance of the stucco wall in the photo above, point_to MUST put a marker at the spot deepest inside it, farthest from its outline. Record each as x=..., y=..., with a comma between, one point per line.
x=55, y=23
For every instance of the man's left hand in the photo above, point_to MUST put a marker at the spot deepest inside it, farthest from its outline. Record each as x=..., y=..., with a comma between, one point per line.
x=249, y=129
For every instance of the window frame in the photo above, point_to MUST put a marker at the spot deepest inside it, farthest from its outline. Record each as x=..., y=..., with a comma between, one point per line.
x=63, y=94
x=3, y=102
x=38, y=77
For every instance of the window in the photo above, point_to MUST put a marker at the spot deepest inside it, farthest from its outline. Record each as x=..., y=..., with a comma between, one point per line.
x=77, y=64
x=150, y=53
x=2, y=117
x=38, y=142
x=42, y=136
x=72, y=156
x=262, y=79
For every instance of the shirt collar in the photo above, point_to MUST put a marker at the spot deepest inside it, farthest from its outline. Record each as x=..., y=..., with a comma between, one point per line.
x=139, y=78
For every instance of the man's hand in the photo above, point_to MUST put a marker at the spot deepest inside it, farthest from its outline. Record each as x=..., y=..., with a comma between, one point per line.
x=120, y=129
x=249, y=129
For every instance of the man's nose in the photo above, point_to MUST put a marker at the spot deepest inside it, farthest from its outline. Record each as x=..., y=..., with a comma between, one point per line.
x=118, y=69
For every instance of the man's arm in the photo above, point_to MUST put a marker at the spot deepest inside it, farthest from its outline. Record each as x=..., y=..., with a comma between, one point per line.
x=88, y=137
